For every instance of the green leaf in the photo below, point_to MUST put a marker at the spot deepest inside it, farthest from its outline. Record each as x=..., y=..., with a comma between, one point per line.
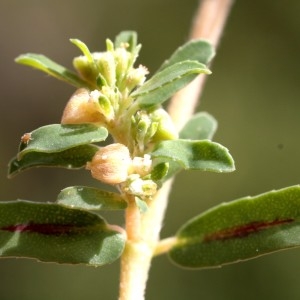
x=126, y=37
x=197, y=155
x=57, y=138
x=90, y=198
x=159, y=171
x=73, y=158
x=43, y=63
x=84, y=49
x=199, y=50
x=164, y=84
x=240, y=230
x=200, y=127
x=53, y=233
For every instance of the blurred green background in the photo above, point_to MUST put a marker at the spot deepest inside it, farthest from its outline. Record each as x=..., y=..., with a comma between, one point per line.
x=254, y=92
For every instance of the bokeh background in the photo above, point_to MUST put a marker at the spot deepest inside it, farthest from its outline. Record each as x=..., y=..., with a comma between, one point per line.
x=254, y=93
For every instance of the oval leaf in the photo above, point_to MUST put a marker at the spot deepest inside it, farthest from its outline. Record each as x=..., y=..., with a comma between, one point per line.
x=90, y=198
x=200, y=127
x=43, y=63
x=239, y=230
x=57, y=137
x=199, y=50
x=73, y=158
x=164, y=84
x=197, y=155
x=54, y=233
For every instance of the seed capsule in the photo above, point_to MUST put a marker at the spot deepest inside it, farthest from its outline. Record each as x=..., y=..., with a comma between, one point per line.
x=110, y=164
x=81, y=108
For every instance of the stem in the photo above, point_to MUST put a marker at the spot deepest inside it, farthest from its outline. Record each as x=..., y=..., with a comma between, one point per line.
x=133, y=220
x=208, y=24
x=136, y=259
x=144, y=237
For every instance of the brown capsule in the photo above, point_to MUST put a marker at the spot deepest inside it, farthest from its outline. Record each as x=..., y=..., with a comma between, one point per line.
x=81, y=109
x=110, y=164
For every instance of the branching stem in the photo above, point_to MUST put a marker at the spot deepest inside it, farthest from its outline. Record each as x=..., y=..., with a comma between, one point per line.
x=136, y=259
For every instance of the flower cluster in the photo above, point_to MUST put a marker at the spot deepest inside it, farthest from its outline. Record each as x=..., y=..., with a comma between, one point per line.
x=110, y=104
x=113, y=76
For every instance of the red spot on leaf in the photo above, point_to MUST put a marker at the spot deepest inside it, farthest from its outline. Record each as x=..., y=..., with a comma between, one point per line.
x=244, y=230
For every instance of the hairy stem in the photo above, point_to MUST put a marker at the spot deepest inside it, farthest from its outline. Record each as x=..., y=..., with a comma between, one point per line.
x=208, y=24
x=136, y=259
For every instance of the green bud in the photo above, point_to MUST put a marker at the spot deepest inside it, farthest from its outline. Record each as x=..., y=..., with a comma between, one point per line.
x=106, y=64
x=113, y=95
x=105, y=107
x=122, y=59
x=100, y=81
x=166, y=129
x=151, y=130
x=141, y=125
x=109, y=45
x=85, y=68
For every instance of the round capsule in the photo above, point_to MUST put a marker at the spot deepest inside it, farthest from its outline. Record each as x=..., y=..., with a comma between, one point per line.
x=111, y=164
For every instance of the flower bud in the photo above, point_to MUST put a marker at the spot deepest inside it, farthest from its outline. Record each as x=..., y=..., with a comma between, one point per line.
x=86, y=69
x=139, y=187
x=109, y=45
x=136, y=77
x=166, y=129
x=122, y=59
x=110, y=164
x=141, y=165
x=107, y=67
x=142, y=126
